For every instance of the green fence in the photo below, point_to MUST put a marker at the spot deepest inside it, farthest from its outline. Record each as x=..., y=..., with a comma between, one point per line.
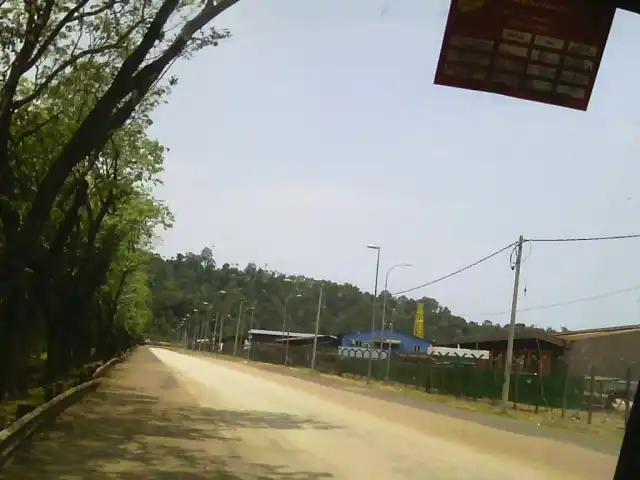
x=470, y=381
x=433, y=374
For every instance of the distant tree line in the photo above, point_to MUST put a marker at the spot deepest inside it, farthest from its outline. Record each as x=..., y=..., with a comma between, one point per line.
x=189, y=287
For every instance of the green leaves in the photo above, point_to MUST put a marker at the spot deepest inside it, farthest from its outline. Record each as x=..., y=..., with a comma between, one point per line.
x=183, y=284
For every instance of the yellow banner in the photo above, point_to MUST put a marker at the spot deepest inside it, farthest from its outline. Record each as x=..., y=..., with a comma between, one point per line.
x=418, y=325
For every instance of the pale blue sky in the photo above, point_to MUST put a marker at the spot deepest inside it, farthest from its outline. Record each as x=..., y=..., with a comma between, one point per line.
x=317, y=129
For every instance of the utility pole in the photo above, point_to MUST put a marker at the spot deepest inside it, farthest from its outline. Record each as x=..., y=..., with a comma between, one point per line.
x=235, y=340
x=373, y=313
x=512, y=327
x=315, y=338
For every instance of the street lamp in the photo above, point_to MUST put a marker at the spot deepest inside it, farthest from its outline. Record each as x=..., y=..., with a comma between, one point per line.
x=221, y=292
x=235, y=339
x=252, y=309
x=287, y=326
x=195, y=329
x=384, y=304
x=373, y=314
x=203, y=329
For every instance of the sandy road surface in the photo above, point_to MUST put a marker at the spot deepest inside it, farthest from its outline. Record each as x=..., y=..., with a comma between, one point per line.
x=330, y=434
x=168, y=416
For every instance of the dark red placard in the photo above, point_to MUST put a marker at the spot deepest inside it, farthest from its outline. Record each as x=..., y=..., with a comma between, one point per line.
x=541, y=50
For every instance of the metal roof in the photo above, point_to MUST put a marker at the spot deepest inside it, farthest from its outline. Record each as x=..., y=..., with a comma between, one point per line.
x=502, y=334
x=598, y=332
x=306, y=337
x=274, y=333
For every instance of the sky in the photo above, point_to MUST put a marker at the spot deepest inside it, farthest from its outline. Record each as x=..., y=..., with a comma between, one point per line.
x=316, y=130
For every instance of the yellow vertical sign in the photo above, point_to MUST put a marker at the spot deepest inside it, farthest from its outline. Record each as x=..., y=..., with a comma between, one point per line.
x=418, y=325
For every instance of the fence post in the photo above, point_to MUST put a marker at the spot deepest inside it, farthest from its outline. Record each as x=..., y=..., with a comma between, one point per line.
x=627, y=398
x=427, y=374
x=592, y=387
x=474, y=378
x=538, y=378
x=565, y=386
x=516, y=387
x=493, y=378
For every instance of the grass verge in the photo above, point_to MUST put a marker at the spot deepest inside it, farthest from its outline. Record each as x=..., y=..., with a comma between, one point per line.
x=609, y=425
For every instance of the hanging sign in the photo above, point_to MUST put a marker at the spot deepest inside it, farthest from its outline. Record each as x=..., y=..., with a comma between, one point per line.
x=541, y=50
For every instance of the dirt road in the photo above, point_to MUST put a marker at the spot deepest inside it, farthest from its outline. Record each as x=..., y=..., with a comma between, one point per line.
x=346, y=436
x=167, y=415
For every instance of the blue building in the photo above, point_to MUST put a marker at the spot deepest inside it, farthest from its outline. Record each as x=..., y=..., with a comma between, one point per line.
x=399, y=342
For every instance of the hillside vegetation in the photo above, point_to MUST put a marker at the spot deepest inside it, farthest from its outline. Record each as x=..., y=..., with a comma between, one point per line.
x=188, y=287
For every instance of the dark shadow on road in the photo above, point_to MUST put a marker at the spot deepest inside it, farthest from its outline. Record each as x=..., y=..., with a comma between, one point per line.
x=121, y=433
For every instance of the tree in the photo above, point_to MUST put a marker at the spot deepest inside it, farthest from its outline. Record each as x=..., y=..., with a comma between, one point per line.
x=78, y=81
x=124, y=50
x=180, y=286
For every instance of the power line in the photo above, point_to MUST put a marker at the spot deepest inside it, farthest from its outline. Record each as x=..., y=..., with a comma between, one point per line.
x=582, y=239
x=529, y=240
x=558, y=304
x=484, y=259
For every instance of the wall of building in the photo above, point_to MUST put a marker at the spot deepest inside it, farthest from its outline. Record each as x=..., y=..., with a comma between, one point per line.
x=402, y=343
x=362, y=353
x=611, y=354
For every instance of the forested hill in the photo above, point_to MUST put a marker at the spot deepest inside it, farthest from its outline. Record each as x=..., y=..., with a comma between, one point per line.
x=189, y=285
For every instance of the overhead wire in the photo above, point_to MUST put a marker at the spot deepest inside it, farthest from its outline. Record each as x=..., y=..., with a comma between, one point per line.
x=557, y=304
x=511, y=245
x=460, y=270
x=582, y=239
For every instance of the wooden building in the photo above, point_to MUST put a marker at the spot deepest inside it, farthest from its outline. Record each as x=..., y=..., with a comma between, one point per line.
x=537, y=352
x=611, y=351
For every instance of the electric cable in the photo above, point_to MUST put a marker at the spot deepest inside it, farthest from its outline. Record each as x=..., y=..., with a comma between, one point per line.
x=445, y=277
x=557, y=304
x=583, y=239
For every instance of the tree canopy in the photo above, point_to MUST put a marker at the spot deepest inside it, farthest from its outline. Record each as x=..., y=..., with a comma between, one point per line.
x=189, y=286
x=79, y=81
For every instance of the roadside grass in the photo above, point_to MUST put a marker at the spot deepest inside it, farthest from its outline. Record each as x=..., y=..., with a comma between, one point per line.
x=608, y=425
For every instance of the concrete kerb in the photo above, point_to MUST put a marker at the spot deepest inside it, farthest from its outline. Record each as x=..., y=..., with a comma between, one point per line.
x=23, y=428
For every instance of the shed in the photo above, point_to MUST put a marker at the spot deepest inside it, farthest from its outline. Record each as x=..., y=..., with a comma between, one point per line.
x=323, y=340
x=274, y=336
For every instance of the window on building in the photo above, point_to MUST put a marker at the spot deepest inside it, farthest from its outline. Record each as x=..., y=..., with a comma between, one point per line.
x=417, y=348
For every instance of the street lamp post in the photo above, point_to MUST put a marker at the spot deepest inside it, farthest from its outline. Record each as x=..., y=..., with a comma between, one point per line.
x=284, y=321
x=203, y=332
x=219, y=318
x=287, y=326
x=235, y=339
x=384, y=305
x=373, y=314
x=213, y=335
x=251, y=320
x=195, y=330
